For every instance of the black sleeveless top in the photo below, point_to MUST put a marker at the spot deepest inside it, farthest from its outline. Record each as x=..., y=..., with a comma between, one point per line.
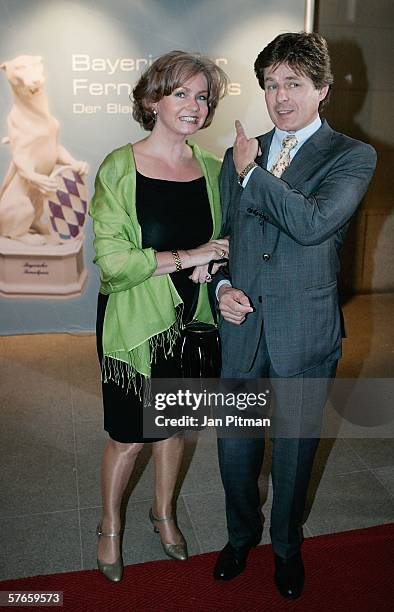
x=174, y=215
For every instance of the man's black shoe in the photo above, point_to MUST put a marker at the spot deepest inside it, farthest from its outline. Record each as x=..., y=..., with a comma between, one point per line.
x=289, y=576
x=231, y=562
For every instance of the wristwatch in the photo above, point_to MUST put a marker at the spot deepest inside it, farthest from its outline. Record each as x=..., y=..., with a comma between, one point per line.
x=245, y=171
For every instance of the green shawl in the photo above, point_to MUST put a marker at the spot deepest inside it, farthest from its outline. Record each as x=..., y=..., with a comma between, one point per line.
x=143, y=311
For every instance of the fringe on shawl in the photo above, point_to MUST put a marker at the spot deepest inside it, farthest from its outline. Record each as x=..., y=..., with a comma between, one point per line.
x=125, y=373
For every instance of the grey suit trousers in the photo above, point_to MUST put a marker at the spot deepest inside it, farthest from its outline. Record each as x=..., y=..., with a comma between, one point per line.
x=298, y=409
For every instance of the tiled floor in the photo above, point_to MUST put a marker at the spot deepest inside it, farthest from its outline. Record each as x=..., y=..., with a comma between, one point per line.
x=51, y=442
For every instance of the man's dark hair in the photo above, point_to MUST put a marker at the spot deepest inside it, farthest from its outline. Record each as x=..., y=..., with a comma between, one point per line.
x=306, y=53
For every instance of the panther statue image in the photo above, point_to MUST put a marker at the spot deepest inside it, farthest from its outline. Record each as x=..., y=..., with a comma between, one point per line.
x=33, y=135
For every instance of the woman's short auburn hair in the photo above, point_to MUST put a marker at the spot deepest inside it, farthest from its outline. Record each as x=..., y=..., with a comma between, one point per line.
x=170, y=71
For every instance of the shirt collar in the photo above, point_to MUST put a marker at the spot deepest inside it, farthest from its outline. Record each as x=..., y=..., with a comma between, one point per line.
x=302, y=135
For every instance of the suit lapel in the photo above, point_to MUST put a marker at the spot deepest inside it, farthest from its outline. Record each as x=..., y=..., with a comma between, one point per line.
x=265, y=143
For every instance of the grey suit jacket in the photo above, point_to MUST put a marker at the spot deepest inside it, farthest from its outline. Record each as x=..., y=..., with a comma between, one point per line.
x=285, y=238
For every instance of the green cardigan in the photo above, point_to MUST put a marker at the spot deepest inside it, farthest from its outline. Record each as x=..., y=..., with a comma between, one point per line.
x=143, y=312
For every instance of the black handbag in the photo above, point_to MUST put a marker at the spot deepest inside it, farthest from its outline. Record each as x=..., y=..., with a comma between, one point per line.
x=201, y=350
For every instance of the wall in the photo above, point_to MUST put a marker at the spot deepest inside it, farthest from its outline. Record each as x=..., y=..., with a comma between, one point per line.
x=360, y=34
x=70, y=34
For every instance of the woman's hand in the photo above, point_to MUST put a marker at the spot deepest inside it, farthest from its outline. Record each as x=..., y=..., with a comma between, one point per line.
x=202, y=255
x=200, y=274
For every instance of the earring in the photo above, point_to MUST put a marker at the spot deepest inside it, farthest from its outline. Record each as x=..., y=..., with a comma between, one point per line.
x=154, y=113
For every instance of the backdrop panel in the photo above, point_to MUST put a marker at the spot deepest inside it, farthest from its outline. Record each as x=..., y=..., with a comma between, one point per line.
x=93, y=52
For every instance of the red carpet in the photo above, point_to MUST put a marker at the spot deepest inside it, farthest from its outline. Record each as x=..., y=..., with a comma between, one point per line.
x=345, y=572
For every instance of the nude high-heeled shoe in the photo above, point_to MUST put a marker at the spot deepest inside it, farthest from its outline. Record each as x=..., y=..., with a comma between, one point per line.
x=175, y=551
x=112, y=571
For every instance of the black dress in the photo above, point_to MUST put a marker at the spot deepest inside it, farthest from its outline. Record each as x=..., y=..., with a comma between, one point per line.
x=172, y=215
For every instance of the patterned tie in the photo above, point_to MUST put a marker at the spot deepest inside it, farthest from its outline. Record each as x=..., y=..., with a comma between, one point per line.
x=283, y=161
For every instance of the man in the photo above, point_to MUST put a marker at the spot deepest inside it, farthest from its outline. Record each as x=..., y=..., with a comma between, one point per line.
x=287, y=197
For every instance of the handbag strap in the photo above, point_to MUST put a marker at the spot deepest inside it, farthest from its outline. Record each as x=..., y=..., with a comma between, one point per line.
x=211, y=299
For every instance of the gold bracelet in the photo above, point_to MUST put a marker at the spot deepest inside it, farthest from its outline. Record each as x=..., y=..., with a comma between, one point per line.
x=177, y=261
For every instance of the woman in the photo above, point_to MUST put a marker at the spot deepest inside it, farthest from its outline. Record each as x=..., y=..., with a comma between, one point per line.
x=156, y=216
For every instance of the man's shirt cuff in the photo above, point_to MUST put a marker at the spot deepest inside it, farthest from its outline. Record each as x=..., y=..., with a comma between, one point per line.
x=220, y=283
x=244, y=183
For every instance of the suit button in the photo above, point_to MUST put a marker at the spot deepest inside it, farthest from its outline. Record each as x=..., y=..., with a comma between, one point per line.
x=266, y=217
x=266, y=256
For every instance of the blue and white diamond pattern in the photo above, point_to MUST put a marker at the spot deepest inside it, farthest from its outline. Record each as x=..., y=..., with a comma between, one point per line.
x=67, y=208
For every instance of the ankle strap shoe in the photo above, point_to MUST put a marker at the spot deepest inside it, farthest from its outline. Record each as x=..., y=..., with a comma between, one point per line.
x=112, y=571
x=175, y=551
